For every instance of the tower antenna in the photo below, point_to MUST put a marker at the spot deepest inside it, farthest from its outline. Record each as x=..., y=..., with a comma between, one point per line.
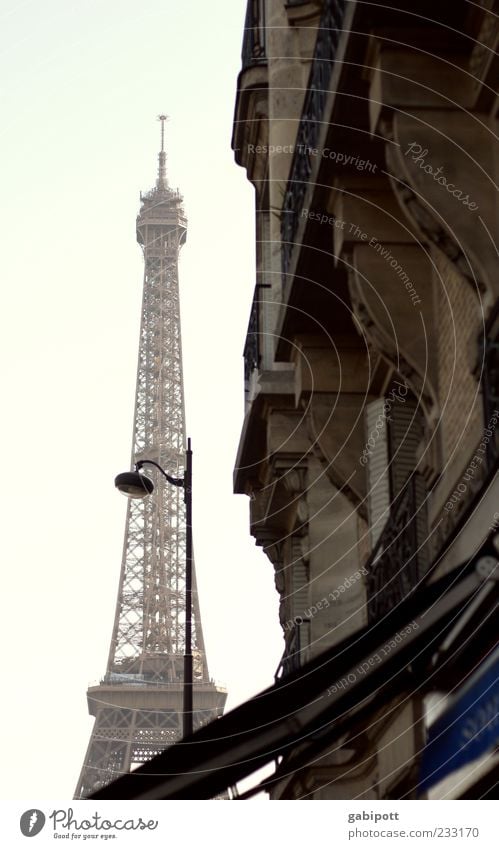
x=162, y=182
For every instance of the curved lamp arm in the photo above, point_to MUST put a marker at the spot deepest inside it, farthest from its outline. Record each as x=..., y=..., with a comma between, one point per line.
x=174, y=481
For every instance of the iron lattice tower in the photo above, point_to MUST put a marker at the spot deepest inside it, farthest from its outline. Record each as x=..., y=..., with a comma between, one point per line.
x=138, y=704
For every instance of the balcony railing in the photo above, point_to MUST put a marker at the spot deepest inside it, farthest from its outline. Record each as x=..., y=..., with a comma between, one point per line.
x=291, y=659
x=311, y=122
x=252, y=347
x=254, y=50
x=490, y=384
x=400, y=557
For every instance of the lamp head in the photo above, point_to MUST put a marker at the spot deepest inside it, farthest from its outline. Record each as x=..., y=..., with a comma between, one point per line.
x=133, y=484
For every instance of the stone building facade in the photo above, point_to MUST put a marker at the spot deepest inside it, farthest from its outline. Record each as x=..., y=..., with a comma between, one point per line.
x=369, y=449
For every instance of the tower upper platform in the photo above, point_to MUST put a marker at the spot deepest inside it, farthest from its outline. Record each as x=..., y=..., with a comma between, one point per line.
x=161, y=210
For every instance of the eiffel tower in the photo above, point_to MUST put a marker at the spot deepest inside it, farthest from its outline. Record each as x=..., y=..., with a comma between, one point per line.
x=138, y=703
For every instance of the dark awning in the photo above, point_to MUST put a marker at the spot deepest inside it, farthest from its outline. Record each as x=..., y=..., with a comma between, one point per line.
x=318, y=702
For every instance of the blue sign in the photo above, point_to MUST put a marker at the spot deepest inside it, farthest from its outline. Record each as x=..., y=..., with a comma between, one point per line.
x=467, y=729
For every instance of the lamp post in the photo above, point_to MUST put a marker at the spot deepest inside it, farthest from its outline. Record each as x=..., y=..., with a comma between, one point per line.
x=136, y=485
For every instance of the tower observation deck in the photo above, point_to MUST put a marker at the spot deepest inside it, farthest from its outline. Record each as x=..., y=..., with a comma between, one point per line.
x=138, y=703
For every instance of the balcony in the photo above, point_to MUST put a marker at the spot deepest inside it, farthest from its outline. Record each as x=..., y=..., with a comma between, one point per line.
x=254, y=50
x=294, y=644
x=400, y=557
x=490, y=384
x=307, y=138
x=252, y=348
x=250, y=130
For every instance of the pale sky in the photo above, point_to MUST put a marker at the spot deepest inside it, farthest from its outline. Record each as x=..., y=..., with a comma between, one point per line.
x=82, y=84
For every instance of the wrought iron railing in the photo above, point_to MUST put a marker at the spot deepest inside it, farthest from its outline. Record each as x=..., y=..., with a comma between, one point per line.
x=252, y=346
x=400, y=557
x=254, y=50
x=291, y=659
x=490, y=384
x=307, y=138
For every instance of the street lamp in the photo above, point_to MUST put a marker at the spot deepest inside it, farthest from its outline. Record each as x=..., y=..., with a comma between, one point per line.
x=137, y=485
